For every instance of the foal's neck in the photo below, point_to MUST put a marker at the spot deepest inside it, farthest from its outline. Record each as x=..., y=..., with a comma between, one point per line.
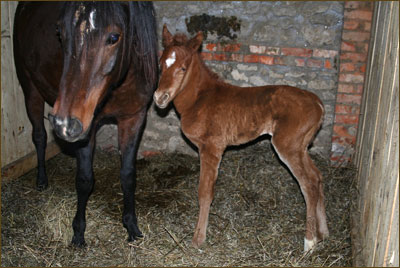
x=199, y=79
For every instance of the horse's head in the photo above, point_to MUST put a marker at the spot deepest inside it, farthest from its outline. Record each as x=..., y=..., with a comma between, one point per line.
x=175, y=63
x=98, y=42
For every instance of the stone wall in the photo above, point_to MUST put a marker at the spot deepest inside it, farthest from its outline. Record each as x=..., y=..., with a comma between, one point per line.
x=293, y=43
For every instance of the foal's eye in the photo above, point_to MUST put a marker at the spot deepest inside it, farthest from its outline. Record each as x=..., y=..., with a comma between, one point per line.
x=112, y=39
x=183, y=69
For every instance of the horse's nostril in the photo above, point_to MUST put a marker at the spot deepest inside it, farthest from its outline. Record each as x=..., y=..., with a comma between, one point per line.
x=74, y=128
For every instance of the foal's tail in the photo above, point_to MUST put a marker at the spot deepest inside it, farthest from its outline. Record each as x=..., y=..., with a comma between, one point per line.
x=143, y=20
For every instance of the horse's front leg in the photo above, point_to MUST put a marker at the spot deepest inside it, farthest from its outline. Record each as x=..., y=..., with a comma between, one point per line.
x=129, y=134
x=210, y=158
x=84, y=186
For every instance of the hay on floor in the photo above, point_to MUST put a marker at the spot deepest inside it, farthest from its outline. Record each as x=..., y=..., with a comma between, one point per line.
x=257, y=217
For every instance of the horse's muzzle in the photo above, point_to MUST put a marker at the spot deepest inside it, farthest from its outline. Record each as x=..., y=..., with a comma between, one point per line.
x=67, y=128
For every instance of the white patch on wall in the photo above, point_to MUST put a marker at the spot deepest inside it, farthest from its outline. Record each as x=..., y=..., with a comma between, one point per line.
x=171, y=60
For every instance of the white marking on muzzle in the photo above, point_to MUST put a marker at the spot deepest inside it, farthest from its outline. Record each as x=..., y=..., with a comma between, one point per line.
x=170, y=60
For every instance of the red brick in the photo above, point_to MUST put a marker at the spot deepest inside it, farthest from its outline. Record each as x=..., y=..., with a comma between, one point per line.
x=236, y=57
x=323, y=53
x=363, y=68
x=348, y=46
x=300, y=52
x=355, y=36
x=367, y=26
x=206, y=56
x=347, y=67
x=342, y=131
x=251, y=58
x=358, y=14
x=220, y=57
x=355, y=57
x=338, y=159
x=300, y=62
x=348, y=88
x=346, y=119
x=279, y=61
x=346, y=109
x=351, y=78
x=314, y=63
x=351, y=24
x=328, y=64
x=231, y=48
x=267, y=60
x=348, y=98
x=211, y=47
x=360, y=88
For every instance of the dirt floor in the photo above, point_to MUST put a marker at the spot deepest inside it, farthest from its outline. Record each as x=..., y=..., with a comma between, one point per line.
x=257, y=217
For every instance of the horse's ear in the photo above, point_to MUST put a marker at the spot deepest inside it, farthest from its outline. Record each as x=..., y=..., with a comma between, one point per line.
x=167, y=37
x=196, y=41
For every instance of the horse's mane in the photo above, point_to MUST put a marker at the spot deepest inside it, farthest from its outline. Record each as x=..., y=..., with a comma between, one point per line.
x=137, y=21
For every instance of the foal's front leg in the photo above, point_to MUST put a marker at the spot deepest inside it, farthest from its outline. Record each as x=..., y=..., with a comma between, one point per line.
x=210, y=158
x=129, y=133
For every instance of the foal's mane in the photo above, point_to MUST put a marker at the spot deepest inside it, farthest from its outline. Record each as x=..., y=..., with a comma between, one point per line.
x=180, y=39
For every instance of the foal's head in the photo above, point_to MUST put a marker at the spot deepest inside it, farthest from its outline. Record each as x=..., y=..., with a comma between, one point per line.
x=175, y=64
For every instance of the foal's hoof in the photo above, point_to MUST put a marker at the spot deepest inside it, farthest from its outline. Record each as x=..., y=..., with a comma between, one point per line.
x=198, y=240
x=309, y=244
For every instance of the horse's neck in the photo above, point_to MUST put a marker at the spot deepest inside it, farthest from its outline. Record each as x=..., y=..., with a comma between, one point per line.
x=199, y=79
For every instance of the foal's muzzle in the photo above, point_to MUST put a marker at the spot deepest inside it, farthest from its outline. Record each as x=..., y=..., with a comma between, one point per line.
x=161, y=99
x=67, y=128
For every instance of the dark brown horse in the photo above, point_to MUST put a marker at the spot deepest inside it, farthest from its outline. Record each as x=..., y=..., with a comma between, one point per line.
x=215, y=114
x=92, y=61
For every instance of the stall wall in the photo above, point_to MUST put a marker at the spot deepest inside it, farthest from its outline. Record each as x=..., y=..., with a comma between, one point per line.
x=16, y=143
x=377, y=158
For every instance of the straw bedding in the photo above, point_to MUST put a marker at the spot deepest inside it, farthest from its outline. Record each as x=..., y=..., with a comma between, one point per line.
x=257, y=217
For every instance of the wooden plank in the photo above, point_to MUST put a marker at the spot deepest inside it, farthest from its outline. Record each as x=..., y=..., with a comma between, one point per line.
x=377, y=147
x=16, y=141
x=22, y=165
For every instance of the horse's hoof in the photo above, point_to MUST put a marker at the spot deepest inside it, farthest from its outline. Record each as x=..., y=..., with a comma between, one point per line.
x=78, y=242
x=42, y=187
x=134, y=237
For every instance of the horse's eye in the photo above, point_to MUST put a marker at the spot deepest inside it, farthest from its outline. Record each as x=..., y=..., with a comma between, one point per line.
x=183, y=69
x=112, y=39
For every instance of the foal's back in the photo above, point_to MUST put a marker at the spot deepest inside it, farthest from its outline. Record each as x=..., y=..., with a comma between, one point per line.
x=235, y=115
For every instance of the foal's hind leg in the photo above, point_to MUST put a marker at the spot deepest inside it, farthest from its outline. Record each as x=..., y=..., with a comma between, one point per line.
x=322, y=227
x=129, y=134
x=35, y=109
x=210, y=158
x=293, y=153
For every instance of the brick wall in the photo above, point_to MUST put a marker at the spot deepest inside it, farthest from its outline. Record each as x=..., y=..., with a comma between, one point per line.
x=353, y=60
x=293, y=43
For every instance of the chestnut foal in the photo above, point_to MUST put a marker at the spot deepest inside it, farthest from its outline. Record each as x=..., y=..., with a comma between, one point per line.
x=215, y=114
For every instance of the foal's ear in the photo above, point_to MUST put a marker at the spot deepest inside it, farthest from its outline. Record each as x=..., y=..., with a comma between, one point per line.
x=167, y=37
x=196, y=41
